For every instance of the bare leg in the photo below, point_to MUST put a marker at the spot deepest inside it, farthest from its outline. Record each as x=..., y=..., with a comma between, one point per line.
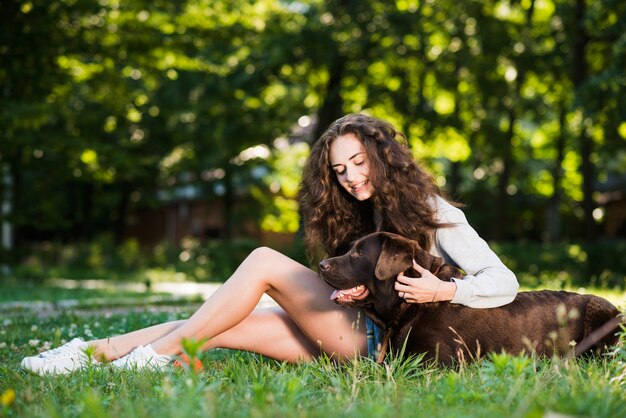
x=303, y=296
x=120, y=345
x=265, y=331
x=298, y=290
x=269, y=332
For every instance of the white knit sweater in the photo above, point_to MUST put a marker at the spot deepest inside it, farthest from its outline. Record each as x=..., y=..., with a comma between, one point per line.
x=488, y=283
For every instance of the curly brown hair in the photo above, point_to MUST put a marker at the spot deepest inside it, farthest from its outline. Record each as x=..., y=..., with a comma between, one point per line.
x=332, y=218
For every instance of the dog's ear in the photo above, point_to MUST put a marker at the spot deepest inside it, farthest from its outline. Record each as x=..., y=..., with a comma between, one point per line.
x=436, y=265
x=427, y=260
x=446, y=272
x=395, y=257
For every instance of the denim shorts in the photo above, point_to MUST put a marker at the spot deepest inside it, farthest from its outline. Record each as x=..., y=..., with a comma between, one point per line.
x=374, y=338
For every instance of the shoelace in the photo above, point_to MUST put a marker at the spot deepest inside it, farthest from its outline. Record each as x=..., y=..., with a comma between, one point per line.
x=138, y=357
x=130, y=358
x=136, y=354
x=64, y=350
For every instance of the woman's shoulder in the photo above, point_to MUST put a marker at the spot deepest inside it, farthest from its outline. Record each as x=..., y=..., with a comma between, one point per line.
x=446, y=211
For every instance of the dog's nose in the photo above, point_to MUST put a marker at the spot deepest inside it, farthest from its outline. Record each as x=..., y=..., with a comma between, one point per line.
x=324, y=265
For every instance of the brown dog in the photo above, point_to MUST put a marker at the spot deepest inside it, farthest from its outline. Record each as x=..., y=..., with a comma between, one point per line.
x=546, y=322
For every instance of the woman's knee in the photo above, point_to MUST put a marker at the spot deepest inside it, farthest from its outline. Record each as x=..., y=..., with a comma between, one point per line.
x=261, y=262
x=262, y=257
x=261, y=252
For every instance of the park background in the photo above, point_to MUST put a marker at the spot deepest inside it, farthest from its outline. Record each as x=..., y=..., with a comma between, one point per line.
x=144, y=140
x=170, y=136
x=148, y=143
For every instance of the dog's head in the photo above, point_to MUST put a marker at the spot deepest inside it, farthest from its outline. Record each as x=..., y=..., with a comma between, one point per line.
x=365, y=275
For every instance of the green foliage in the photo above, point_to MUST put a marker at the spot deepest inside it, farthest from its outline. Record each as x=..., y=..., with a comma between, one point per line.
x=566, y=264
x=574, y=264
x=281, y=207
x=101, y=259
x=515, y=105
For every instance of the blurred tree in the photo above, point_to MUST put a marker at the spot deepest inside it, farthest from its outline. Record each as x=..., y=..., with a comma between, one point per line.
x=517, y=106
x=33, y=35
x=246, y=90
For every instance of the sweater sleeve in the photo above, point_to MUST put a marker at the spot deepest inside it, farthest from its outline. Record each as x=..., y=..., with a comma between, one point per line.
x=488, y=283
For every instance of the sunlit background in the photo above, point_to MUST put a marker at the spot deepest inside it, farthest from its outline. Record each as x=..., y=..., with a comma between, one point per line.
x=171, y=136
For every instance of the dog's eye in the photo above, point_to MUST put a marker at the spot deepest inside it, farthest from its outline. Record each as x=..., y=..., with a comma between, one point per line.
x=358, y=252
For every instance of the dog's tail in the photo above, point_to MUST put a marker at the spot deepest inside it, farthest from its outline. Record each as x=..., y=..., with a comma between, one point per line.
x=597, y=335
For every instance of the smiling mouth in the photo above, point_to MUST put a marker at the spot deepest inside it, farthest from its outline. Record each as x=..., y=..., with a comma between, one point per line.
x=347, y=295
x=359, y=185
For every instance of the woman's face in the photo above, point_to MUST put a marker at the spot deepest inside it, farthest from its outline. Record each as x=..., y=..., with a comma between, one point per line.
x=349, y=161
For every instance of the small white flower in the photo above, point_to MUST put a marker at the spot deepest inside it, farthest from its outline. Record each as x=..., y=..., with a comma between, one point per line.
x=96, y=324
x=46, y=345
x=33, y=343
x=33, y=328
x=7, y=322
x=3, y=345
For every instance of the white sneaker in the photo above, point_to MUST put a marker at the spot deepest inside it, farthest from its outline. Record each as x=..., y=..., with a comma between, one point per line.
x=143, y=357
x=65, y=359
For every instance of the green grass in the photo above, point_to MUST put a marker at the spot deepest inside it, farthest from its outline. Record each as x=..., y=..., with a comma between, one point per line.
x=107, y=294
x=616, y=296
x=32, y=291
x=243, y=384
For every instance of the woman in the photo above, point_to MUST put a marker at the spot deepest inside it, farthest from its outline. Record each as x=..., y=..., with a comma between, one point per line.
x=360, y=177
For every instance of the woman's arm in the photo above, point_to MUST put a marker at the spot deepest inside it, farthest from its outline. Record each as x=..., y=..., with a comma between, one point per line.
x=488, y=283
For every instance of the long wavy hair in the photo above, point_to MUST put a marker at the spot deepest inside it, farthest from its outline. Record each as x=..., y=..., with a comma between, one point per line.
x=333, y=219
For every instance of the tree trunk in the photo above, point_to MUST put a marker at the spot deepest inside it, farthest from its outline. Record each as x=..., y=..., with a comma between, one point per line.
x=502, y=209
x=6, y=214
x=579, y=75
x=502, y=199
x=229, y=205
x=15, y=173
x=86, y=227
x=454, y=178
x=332, y=107
x=553, y=227
x=122, y=209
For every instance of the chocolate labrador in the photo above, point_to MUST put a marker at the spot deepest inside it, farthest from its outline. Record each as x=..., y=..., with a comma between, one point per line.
x=545, y=322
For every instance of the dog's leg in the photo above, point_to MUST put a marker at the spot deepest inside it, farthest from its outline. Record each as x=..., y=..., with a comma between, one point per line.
x=597, y=335
x=601, y=322
x=384, y=346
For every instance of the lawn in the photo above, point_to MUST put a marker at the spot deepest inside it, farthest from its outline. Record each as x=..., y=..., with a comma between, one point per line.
x=243, y=384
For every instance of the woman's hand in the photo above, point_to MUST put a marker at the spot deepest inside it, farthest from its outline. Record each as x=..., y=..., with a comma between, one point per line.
x=427, y=288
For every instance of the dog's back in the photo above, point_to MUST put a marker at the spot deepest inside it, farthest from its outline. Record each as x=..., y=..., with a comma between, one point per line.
x=545, y=322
